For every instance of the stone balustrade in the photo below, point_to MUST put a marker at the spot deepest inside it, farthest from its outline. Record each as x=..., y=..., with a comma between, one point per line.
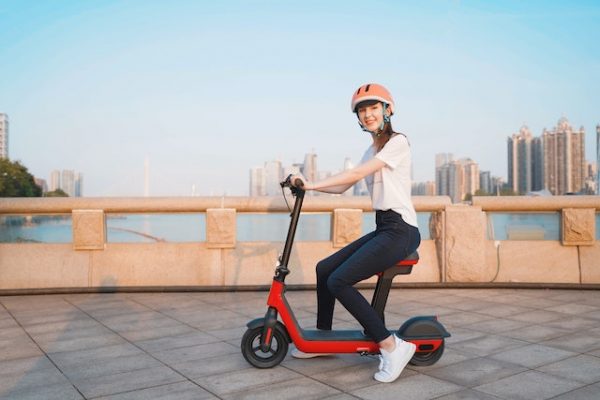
x=459, y=252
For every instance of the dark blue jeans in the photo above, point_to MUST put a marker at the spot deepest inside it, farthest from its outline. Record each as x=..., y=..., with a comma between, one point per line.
x=391, y=242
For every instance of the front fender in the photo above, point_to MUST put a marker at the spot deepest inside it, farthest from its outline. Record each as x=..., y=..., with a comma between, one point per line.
x=259, y=322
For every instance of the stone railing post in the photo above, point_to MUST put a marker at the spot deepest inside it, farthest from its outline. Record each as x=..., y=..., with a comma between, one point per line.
x=220, y=228
x=465, y=240
x=578, y=226
x=346, y=226
x=89, y=229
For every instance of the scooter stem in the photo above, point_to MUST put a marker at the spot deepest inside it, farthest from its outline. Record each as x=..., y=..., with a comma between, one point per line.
x=287, y=250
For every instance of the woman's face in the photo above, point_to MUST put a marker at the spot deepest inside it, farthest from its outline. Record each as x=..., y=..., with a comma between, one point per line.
x=371, y=116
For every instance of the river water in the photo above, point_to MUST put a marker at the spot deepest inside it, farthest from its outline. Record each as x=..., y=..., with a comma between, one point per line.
x=257, y=227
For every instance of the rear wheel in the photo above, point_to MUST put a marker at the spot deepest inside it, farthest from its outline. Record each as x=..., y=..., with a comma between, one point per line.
x=254, y=355
x=423, y=359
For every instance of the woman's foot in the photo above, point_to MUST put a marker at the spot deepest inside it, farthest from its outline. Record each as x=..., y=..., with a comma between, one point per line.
x=392, y=363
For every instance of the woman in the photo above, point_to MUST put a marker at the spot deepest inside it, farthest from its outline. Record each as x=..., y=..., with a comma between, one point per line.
x=386, y=168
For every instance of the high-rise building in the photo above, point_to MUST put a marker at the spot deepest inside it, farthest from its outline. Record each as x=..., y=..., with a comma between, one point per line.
x=257, y=182
x=442, y=162
x=273, y=176
x=520, y=161
x=54, y=180
x=564, y=158
x=485, y=182
x=42, y=184
x=68, y=182
x=457, y=179
x=443, y=158
x=78, y=189
x=3, y=135
x=423, y=188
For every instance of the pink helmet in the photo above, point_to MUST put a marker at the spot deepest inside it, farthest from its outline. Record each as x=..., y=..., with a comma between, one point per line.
x=372, y=91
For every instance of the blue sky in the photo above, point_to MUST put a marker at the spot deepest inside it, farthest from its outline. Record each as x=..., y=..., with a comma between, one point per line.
x=207, y=90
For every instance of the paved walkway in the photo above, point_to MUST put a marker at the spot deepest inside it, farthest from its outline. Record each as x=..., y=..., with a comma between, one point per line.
x=506, y=344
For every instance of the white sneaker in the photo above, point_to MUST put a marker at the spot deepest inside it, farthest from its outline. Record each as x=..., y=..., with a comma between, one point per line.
x=392, y=363
x=302, y=355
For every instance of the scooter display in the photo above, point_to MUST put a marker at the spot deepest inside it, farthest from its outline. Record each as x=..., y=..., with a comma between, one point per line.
x=265, y=343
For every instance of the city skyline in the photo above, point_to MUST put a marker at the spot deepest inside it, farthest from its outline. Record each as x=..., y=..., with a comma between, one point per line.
x=101, y=85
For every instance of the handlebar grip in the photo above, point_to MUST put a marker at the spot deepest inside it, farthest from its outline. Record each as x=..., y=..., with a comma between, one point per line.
x=298, y=183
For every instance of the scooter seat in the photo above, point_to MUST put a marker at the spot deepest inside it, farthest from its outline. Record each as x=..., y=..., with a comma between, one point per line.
x=410, y=260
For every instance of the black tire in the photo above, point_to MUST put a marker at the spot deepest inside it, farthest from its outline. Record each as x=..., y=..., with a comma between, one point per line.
x=424, y=359
x=258, y=358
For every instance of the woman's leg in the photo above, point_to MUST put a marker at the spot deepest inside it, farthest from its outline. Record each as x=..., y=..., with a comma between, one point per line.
x=325, y=267
x=376, y=255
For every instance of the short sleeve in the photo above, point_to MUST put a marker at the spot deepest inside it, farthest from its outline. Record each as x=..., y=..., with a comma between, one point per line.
x=394, y=151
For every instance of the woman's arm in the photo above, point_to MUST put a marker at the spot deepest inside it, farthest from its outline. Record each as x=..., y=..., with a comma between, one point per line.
x=341, y=182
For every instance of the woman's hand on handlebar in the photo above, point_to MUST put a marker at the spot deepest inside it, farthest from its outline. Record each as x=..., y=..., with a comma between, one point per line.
x=300, y=182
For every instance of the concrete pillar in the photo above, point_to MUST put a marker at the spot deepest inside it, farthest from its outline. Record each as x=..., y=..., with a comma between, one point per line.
x=578, y=226
x=220, y=228
x=347, y=226
x=89, y=229
x=465, y=249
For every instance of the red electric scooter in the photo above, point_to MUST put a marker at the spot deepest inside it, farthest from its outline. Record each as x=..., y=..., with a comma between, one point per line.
x=265, y=343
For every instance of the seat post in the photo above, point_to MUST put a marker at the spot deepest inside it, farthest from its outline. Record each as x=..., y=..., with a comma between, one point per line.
x=380, y=296
x=384, y=282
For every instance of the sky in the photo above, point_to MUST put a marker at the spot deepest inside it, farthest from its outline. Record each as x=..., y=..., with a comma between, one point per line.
x=206, y=90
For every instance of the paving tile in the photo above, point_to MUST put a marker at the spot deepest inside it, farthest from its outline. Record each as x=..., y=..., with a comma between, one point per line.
x=8, y=322
x=98, y=354
x=450, y=357
x=60, y=326
x=578, y=342
x=468, y=394
x=462, y=334
x=245, y=380
x=13, y=332
x=585, y=393
x=36, y=377
x=81, y=343
x=535, y=333
x=60, y=391
x=488, y=344
x=355, y=377
x=109, y=366
x=529, y=385
x=319, y=365
x=574, y=323
x=174, y=391
x=536, y=316
x=24, y=365
x=533, y=356
x=197, y=352
x=476, y=372
x=573, y=308
x=19, y=347
x=415, y=387
x=175, y=340
x=300, y=389
x=211, y=366
x=127, y=381
x=463, y=318
x=497, y=325
x=582, y=368
x=150, y=332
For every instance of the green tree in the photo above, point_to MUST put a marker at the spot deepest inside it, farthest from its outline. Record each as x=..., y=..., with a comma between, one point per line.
x=56, y=193
x=16, y=181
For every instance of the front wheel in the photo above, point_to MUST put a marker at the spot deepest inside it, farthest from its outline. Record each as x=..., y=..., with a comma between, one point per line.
x=423, y=359
x=254, y=355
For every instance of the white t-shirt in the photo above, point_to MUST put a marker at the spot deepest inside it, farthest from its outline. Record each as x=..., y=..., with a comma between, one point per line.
x=390, y=187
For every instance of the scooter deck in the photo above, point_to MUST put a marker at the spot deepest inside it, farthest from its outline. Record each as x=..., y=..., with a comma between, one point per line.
x=335, y=335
